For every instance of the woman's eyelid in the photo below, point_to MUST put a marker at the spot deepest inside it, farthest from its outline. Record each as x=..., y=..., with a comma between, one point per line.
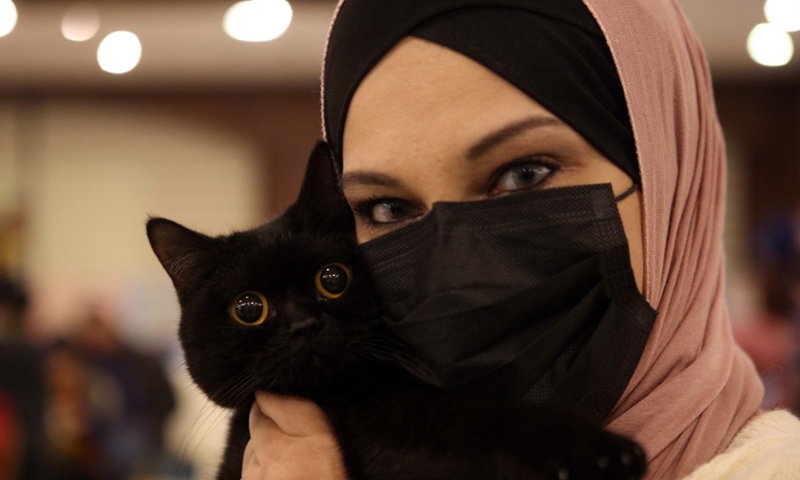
x=365, y=209
x=546, y=161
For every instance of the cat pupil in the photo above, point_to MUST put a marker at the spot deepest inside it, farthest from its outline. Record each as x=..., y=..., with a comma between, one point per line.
x=334, y=279
x=249, y=308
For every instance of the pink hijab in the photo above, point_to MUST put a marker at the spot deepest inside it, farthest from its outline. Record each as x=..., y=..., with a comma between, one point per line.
x=693, y=389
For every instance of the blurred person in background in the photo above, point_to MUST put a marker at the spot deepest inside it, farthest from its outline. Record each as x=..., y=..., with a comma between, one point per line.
x=772, y=335
x=73, y=450
x=770, y=338
x=22, y=391
x=130, y=399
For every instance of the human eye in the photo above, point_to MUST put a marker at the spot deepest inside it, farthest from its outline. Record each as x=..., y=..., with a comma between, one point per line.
x=521, y=175
x=381, y=212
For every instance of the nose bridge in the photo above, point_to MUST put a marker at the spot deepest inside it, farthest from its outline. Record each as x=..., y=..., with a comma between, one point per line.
x=447, y=179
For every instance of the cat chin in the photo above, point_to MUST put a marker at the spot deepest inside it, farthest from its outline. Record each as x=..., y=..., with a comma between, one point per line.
x=301, y=383
x=296, y=370
x=306, y=383
x=303, y=391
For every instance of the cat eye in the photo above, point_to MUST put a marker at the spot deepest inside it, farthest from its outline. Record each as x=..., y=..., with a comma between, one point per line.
x=332, y=280
x=250, y=308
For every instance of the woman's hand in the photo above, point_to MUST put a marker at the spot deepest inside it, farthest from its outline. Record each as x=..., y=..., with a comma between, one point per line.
x=290, y=439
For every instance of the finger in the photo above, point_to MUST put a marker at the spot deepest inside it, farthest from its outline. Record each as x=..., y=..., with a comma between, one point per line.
x=262, y=427
x=293, y=416
x=259, y=463
x=251, y=466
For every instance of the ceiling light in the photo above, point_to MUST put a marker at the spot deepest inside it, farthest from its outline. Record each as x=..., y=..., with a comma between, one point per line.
x=81, y=22
x=257, y=20
x=8, y=17
x=119, y=52
x=784, y=14
x=769, y=45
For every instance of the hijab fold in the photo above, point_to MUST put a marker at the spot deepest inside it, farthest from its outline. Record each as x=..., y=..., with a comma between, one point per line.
x=693, y=388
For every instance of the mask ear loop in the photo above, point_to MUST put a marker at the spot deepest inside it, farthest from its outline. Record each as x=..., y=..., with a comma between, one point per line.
x=627, y=193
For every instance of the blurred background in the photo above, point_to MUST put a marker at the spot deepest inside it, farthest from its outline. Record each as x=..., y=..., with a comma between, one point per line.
x=204, y=112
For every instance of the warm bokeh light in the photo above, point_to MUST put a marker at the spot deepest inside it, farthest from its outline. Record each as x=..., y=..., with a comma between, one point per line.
x=81, y=22
x=257, y=20
x=119, y=52
x=8, y=17
x=770, y=45
x=784, y=14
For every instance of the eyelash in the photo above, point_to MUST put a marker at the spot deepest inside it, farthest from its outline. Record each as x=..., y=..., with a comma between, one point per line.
x=535, y=161
x=364, y=209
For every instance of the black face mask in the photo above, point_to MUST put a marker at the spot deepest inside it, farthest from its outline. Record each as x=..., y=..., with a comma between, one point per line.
x=528, y=296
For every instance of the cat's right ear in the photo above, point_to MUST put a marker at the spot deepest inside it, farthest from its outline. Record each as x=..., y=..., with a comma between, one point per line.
x=321, y=200
x=183, y=253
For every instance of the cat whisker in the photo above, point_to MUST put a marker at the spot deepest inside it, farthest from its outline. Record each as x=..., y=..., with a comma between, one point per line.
x=247, y=390
x=240, y=389
x=190, y=442
x=398, y=352
x=359, y=369
x=274, y=380
x=215, y=420
x=409, y=364
x=180, y=366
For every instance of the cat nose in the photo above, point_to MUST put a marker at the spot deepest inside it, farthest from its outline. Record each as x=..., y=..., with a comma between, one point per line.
x=303, y=325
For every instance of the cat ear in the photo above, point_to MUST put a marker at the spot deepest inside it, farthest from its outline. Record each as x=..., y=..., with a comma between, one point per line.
x=321, y=200
x=184, y=253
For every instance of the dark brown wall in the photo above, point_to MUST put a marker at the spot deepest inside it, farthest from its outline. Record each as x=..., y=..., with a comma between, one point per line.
x=763, y=120
x=282, y=125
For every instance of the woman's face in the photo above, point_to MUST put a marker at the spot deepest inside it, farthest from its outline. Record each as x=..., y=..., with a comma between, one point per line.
x=429, y=125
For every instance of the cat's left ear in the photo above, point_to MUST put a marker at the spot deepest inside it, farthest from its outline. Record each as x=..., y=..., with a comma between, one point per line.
x=184, y=253
x=321, y=198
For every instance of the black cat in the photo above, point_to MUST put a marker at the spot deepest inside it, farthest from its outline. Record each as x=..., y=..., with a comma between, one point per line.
x=287, y=307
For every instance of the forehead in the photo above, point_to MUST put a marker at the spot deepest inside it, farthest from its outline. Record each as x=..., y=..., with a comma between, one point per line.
x=423, y=95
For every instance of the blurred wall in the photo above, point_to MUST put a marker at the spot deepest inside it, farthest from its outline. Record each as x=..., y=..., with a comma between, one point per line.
x=8, y=166
x=763, y=118
x=85, y=175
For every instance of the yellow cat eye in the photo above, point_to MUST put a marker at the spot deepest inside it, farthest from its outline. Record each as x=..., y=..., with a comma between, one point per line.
x=332, y=280
x=250, y=308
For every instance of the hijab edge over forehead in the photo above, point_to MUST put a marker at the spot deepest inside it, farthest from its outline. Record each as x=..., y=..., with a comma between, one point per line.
x=582, y=86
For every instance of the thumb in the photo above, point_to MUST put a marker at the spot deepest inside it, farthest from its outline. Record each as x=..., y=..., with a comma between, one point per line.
x=294, y=416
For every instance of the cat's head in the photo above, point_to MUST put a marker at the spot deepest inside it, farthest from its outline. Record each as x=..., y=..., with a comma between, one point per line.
x=284, y=307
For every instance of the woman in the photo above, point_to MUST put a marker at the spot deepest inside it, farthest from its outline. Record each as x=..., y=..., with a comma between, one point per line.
x=461, y=100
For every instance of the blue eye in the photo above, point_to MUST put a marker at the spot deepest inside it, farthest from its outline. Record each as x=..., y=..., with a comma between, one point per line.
x=390, y=211
x=520, y=176
x=385, y=211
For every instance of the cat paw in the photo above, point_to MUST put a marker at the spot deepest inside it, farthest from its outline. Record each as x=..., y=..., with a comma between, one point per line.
x=604, y=457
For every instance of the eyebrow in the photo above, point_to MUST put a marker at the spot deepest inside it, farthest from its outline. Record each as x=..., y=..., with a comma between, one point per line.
x=510, y=131
x=368, y=178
